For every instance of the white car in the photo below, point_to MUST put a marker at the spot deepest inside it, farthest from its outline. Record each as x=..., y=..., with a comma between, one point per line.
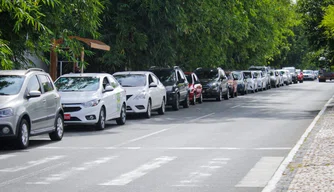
x=91, y=98
x=251, y=84
x=259, y=80
x=285, y=76
x=144, y=92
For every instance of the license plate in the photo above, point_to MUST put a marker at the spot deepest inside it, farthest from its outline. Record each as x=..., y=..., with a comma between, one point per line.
x=67, y=116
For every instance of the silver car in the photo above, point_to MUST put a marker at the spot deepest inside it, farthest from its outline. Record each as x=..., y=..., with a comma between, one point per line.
x=29, y=105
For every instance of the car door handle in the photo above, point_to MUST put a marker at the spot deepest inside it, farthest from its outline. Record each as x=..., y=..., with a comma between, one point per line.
x=44, y=100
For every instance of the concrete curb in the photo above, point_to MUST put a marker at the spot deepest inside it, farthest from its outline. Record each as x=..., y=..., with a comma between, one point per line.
x=271, y=185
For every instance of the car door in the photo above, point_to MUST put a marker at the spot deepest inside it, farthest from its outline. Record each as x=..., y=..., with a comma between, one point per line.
x=224, y=81
x=154, y=93
x=117, y=96
x=183, y=85
x=108, y=97
x=50, y=98
x=36, y=107
x=160, y=89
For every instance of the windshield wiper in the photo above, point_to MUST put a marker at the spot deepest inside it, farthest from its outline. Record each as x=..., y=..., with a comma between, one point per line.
x=127, y=86
x=4, y=94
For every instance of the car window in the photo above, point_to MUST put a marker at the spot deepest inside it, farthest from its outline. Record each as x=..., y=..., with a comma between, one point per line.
x=179, y=75
x=150, y=79
x=33, y=84
x=195, y=78
x=113, y=82
x=105, y=82
x=10, y=84
x=189, y=78
x=248, y=75
x=46, y=83
x=155, y=79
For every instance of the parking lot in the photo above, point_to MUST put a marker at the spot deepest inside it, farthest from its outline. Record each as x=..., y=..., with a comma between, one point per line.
x=214, y=146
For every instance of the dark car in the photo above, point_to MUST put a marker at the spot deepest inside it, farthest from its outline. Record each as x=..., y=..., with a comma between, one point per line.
x=195, y=88
x=242, y=82
x=176, y=85
x=214, y=82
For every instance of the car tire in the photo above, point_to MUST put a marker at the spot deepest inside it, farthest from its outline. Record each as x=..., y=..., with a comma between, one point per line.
x=58, y=133
x=227, y=96
x=101, y=124
x=200, y=99
x=220, y=96
x=194, y=99
x=148, y=112
x=176, y=104
x=162, y=109
x=186, y=102
x=232, y=94
x=122, y=117
x=22, y=140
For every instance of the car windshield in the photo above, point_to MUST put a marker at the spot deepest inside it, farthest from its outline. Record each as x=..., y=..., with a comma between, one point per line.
x=189, y=78
x=282, y=72
x=207, y=74
x=236, y=75
x=291, y=70
x=298, y=71
x=131, y=80
x=10, y=84
x=307, y=72
x=272, y=73
x=165, y=76
x=64, y=84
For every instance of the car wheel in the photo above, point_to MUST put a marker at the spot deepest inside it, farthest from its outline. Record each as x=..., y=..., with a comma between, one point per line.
x=101, y=124
x=227, y=96
x=122, y=118
x=22, y=140
x=200, y=99
x=220, y=96
x=232, y=94
x=162, y=109
x=194, y=99
x=186, y=102
x=149, y=110
x=58, y=133
x=176, y=104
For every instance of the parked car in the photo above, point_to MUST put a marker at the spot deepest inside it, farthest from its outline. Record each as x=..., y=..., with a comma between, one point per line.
x=292, y=71
x=214, y=82
x=30, y=105
x=260, y=81
x=251, y=81
x=91, y=98
x=316, y=74
x=176, y=83
x=285, y=76
x=274, y=78
x=144, y=92
x=195, y=88
x=325, y=75
x=265, y=74
x=300, y=75
x=308, y=75
x=232, y=84
x=242, y=82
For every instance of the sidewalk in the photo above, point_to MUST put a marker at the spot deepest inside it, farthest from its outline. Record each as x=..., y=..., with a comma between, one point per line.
x=312, y=167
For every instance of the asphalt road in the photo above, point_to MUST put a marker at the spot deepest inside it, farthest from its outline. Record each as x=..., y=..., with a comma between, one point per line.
x=233, y=145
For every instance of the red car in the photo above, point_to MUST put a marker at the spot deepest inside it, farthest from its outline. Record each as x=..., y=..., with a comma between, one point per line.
x=300, y=75
x=195, y=88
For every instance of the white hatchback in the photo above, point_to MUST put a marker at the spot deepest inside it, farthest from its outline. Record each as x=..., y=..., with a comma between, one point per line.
x=144, y=92
x=91, y=98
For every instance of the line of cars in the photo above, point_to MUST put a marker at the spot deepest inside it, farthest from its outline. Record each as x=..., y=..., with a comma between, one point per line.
x=32, y=104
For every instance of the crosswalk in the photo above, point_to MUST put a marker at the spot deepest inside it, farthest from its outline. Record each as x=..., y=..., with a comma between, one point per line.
x=53, y=169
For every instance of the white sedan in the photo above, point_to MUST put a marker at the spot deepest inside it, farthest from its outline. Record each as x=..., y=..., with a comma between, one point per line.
x=91, y=98
x=144, y=92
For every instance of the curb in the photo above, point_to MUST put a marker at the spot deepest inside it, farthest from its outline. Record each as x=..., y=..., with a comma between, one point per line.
x=271, y=185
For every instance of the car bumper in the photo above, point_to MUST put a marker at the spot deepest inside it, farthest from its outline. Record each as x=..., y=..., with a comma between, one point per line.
x=308, y=77
x=240, y=88
x=86, y=115
x=171, y=96
x=210, y=93
x=137, y=106
x=10, y=123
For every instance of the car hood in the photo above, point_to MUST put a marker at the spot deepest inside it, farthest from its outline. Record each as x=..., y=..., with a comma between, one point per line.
x=207, y=81
x=5, y=101
x=78, y=97
x=133, y=90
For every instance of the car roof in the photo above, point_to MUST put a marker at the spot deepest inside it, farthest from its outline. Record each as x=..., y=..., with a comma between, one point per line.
x=133, y=72
x=21, y=72
x=85, y=75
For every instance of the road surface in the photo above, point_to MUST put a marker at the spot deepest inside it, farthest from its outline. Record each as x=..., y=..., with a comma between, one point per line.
x=233, y=145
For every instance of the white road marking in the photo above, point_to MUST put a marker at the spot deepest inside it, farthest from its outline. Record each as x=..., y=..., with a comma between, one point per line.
x=31, y=164
x=167, y=148
x=2, y=157
x=31, y=174
x=65, y=174
x=235, y=106
x=194, y=179
x=278, y=174
x=140, y=171
x=261, y=173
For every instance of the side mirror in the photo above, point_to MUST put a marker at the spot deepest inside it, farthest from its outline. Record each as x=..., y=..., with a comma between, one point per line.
x=34, y=94
x=108, y=88
x=235, y=79
x=153, y=85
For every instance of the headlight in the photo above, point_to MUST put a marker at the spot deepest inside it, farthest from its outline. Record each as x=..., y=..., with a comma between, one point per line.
x=141, y=95
x=6, y=112
x=91, y=103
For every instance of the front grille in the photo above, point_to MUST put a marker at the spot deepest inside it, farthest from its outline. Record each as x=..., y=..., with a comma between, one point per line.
x=128, y=96
x=71, y=109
